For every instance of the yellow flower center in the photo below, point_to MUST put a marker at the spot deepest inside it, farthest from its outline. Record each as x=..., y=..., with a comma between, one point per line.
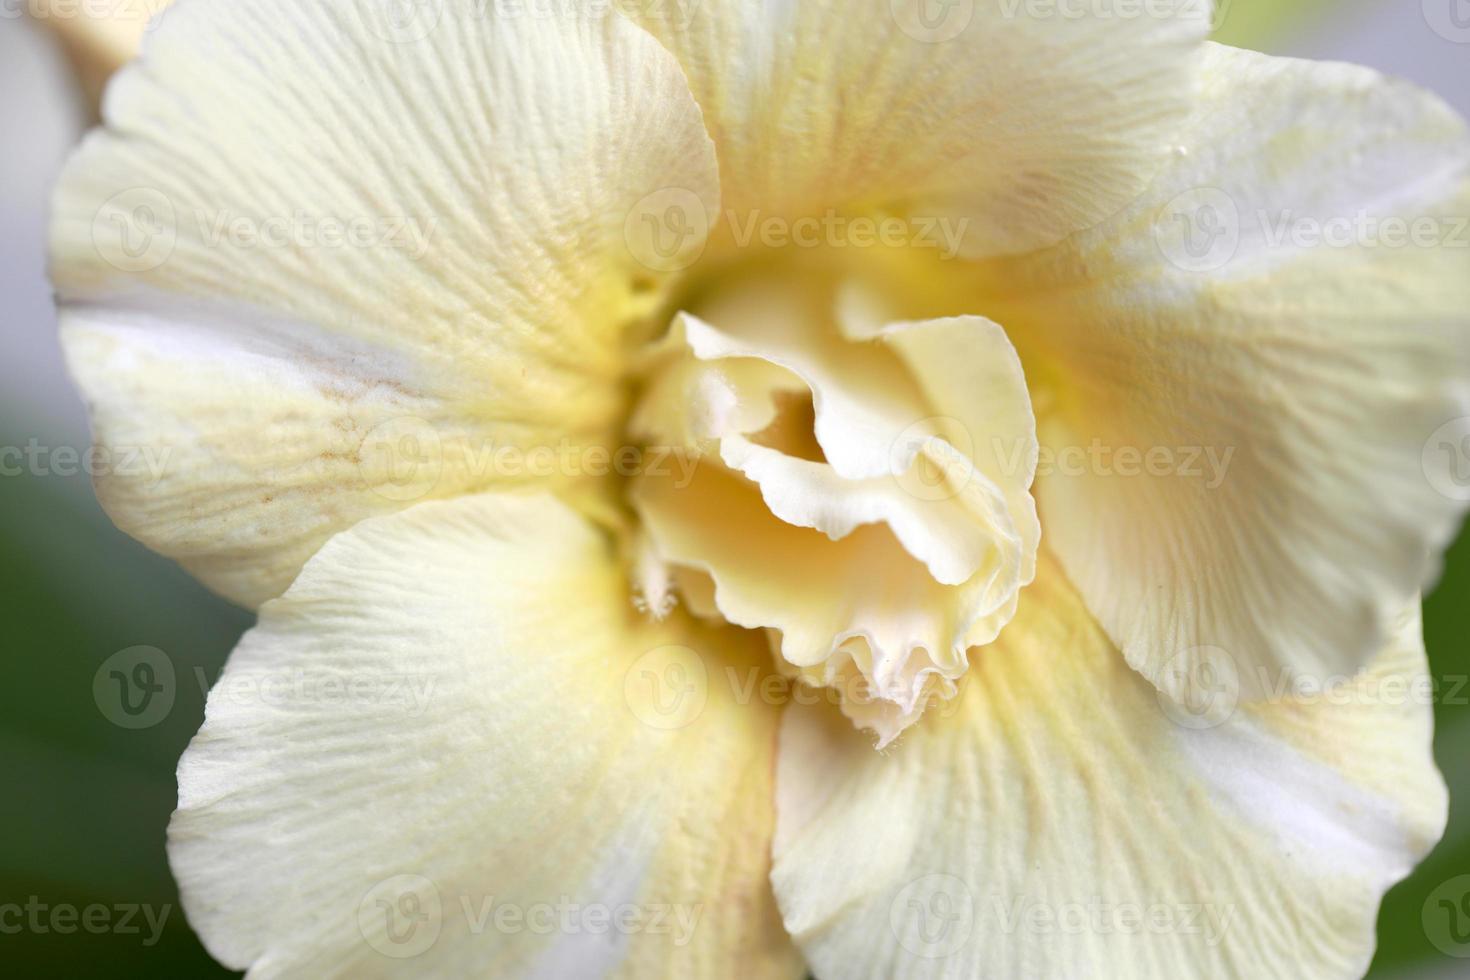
x=853, y=483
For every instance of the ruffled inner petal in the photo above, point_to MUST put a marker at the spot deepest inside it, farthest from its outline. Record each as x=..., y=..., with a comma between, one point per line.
x=881, y=525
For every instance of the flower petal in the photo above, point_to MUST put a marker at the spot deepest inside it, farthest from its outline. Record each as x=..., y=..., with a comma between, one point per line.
x=881, y=413
x=1066, y=815
x=861, y=602
x=1274, y=401
x=877, y=548
x=454, y=714
x=1026, y=125
x=329, y=261
x=98, y=38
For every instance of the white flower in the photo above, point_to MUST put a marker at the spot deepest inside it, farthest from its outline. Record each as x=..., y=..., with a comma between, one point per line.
x=540, y=371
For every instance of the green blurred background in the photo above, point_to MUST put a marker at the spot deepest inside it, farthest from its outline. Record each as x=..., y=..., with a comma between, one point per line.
x=85, y=801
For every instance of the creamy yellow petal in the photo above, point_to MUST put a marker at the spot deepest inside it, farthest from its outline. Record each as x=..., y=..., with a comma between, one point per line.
x=1239, y=415
x=327, y=262
x=1022, y=122
x=99, y=37
x=871, y=424
x=923, y=426
x=973, y=381
x=883, y=530
x=1065, y=820
x=861, y=602
x=453, y=749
